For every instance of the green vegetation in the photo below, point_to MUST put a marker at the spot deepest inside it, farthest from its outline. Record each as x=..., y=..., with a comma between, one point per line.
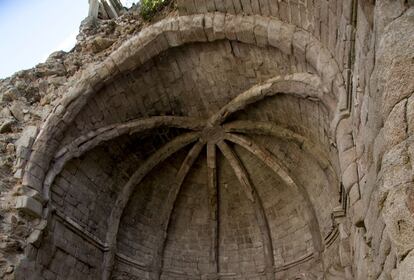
x=150, y=7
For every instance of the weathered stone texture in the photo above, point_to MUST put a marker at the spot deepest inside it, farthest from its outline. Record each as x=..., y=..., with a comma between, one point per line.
x=236, y=139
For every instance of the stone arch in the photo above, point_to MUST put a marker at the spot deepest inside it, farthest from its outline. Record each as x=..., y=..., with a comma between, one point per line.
x=328, y=88
x=87, y=142
x=303, y=85
x=171, y=33
x=348, y=145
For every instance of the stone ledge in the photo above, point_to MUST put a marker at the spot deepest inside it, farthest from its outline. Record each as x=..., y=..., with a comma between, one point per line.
x=29, y=205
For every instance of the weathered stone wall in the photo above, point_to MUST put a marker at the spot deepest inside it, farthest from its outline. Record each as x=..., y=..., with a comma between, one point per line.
x=66, y=254
x=139, y=230
x=382, y=85
x=251, y=139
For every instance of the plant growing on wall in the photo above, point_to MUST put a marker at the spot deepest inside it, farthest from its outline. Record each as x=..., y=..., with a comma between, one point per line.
x=150, y=7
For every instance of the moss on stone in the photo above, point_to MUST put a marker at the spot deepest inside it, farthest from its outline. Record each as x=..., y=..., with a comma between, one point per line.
x=150, y=7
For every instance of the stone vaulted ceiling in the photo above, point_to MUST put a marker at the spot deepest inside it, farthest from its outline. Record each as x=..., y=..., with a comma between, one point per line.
x=232, y=183
x=212, y=145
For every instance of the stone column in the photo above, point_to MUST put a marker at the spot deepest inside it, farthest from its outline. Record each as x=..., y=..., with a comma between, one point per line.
x=93, y=8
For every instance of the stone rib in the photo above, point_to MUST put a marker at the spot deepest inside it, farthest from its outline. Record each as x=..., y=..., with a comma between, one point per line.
x=270, y=129
x=171, y=202
x=91, y=140
x=123, y=198
x=169, y=33
x=269, y=159
x=304, y=85
x=213, y=195
x=253, y=196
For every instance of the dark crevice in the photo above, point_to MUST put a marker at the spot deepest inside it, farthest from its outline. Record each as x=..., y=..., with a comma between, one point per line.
x=360, y=224
x=403, y=256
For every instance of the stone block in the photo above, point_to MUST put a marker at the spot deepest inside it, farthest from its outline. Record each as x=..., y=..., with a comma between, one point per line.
x=220, y=6
x=265, y=7
x=210, y=6
x=345, y=252
x=29, y=205
x=189, y=6
x=327, y=66
x=395, y=126
x=32, y=181
x=255, y=7
x=410, y=115
x=27, y=191
x=347, y=157
x=192, y=28
x=26, y=138
x=247, y=7
x=17, y=111
x=354, y=194
x=201, y=6
x=345, y=140
x=260, y=31
x=280, y=35
x=405, y=269
x=218, y=32
x=245, y=31
x=35, y=238
x=300, y=41
x=171, y=32
x=350, y=176
x=396, y=167
x=274, y=8
x=228, y=6
x=208, y=26
x=230, y=25
x=399, y=220
x=313, y=50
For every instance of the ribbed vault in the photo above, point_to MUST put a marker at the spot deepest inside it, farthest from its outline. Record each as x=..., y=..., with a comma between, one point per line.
x=204, y=148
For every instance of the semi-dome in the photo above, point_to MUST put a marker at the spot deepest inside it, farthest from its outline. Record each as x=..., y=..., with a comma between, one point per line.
x=213, y=144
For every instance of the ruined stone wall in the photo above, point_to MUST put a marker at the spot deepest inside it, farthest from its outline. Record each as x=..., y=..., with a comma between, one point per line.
x=300, y=118
x=382, y=87
x=27, y=98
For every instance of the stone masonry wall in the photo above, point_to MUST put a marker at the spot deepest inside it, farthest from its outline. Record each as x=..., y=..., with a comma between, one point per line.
x=159, y=150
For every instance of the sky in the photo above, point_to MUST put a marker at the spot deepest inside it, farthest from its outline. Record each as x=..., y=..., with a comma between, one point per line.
x=30, y=30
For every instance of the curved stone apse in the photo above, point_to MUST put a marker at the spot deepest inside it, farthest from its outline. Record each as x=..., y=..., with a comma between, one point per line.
x=228, y=140
x=198, y=192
